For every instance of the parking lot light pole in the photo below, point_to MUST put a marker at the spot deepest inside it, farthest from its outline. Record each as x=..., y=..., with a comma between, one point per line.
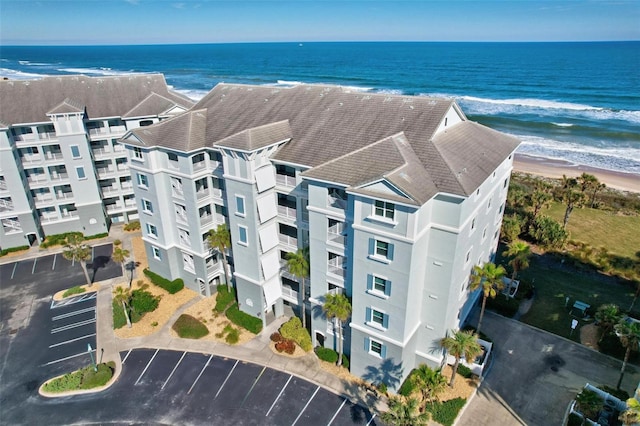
x=95, y=367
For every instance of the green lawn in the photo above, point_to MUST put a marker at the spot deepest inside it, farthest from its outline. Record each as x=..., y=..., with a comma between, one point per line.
x=598, y=228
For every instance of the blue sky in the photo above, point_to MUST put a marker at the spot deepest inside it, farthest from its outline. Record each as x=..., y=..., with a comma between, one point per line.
x=87, y=22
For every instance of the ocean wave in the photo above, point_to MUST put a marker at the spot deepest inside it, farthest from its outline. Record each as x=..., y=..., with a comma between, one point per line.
x=37, y=64
x=623, y=159
x=563, y=124
x=193, y=94
x=97, y=71
x=19, y=75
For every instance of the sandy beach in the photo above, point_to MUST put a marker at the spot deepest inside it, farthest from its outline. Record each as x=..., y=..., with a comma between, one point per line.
x=556, y=168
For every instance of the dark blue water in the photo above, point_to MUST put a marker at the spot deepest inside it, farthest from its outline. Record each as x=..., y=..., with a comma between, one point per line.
x=574, y=101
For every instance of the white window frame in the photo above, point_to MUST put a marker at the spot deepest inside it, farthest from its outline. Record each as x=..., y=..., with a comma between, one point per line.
x=188, y=263
x=84, y=174
x=150, y=228
x=374, y=352
x=382, y=211
x=385, y=292
x=147, y=206
x=77, y=148
x=241, y=199
x=374, y=315
x=137, y=154
x=156, y=253
x=375, y=249
x=246, y=235
x=143, y=180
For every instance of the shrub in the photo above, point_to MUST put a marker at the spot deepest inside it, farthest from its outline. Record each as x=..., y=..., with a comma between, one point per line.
x=382, y=387
x=134, y=225
x=286, y=345
x=13, y=249
x=345, y=361
x=233, y=335
x=244, y=320
x=408, y=386
x=142, y=301
x=445, y=412
x=119, y=320
x=275, y=337
x=77, y=289
x=224, y=298
x=465, y=371
x=171, y=286
x=189, y=327
x=96, y=236
x=117, y=242
x=58, y=239
x=293, y=330
x=326, y=354
x=86, y=378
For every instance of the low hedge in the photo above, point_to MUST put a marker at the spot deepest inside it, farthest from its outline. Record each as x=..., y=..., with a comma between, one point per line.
x=243, y=319
x=293, y=330
x=189, y=327
x=445, y=412
x=96, y=236
x=58, y=239
x=465, y=371
x=134, y=225
x=13, y=249
x=224, y=298
x=86, y=378
x=77, y=289
x=171, y=286
x=329, y=355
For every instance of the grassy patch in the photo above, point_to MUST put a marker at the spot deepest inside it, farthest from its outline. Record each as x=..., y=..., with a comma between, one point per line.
x=445, y=412
x=189, y=327
x=119, y=320
x=224, y=298
x=73, y=290
x=600, y=228
x=86, y=378
x=13, y=249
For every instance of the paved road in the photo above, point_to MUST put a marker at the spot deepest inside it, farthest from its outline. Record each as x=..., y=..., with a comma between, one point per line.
x=535, y=375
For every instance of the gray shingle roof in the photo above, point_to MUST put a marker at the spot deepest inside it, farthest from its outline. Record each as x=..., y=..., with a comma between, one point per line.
x=29, y=101
x=153, y=104
x=67, y=106
x=186, y=132
x=350, y=137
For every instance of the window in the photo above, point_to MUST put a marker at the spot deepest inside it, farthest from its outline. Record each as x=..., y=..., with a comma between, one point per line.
x=484, y=233
x=156, y=253
x=147, y=206
x=377, y=318
x=382, y=249
x=489, y=204
x=242, y=235
x=239, y=205
x=143, y=181
x=152, y=231
x=468, y=256
x=376, y=348
x=80, y=172
x=378, y=286
x=506, y=181
x=187, y=261
x=384, y=209
x=137, y=153
x=145, y=123
x=75, y=151
x=473, y=223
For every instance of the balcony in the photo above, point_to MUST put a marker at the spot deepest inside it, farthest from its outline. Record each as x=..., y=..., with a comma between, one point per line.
x=64, y=195
x=71, y=214
x=25, y=137
x=55, y=176
x=46, y=217
x=97, y=152
x=117, y=129
x=105, y=171
x=3, y=185
x=288, y=212
x=202, y=193
x=290, y=294
x=336, y=266
x=217, y=192
x=43, y=201
x=52, y=157
x=336, y=238
x=206, y=219
x=11, y=225
x=336, y=201
x=98, y=130
x=288, y=240
x=200, y=165
x=41, y=178
x=28, y=159
x=285, y=180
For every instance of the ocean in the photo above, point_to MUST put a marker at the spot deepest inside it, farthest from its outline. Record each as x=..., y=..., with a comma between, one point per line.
x=578, y=102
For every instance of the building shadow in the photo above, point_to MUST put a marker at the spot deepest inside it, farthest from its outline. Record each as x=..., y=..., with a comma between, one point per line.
x=386, y=372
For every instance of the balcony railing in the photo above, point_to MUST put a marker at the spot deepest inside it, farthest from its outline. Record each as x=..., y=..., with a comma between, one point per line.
x=100, y=151
x=217, y=192
x=64, y=195
x=288, y=212
x=105, y=171
x=43, y=200
x=336, y=267
x=288, y=240
x=11, y=224
x=70, y=215
x=98, y=131
x=336, y=238
x=199, y=165
x=41, y=178
x=117, y=129
x=286, y=180
x=50, y=157
x=6, y=205
x=337, y=202
x=177, y=191
x=26, y=137
x=289, y=294
x=59, y=176
x=202, y=193
x=206, y=219
x=109, y=190
x=46, y=135
x=3, y=186
x=31, y=158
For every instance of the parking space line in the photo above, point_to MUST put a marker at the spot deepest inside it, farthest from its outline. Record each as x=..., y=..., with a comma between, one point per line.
x=173, y=371
x=337, y=411
x=15, y=265
x=145, y=369
x=54, y=262
x=198, y=378
x=278, y=397
x=66, y=358
x=70, y=314
x=70, y=326
x=305, y=407
x=126, y=356
x=225, y=380
x=33, y=270
x=372, y=417
x=72, y=340
x=252, y=386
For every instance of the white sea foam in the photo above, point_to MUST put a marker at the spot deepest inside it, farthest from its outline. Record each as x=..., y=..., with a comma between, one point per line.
x=563, y=124
x=195, y=95
x=18, y=75
x=40, y=64
x=97, y=71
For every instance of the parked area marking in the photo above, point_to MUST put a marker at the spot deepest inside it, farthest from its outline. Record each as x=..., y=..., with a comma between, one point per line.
x=70, y=326
x=33, y=269
x=55, y=256
x=201, y=371
x=126, y=356
x=253, y=386
x=278, y=397
x=145, y=369
x=72, y=300
x=225, y=380
x=14, y=269
x=305, y=406
x=174, y=370
x=72, y=340
x=73, y=313
x=66, y=358
x=337, y=411
x=372, y=417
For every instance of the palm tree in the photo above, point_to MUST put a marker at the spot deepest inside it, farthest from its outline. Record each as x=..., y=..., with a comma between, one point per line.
x=635, y=295
x=120, y=255
x=404, y=413
x=298, y=265
x=461, y=344
x=122, y=295
x=520, y=252
x=572, y=196
x=76, y=250
x=430, y=382
x=220, y=240
x=337, y=306
x=629, y=334
x=607, y=316
x=489, y=279
x=540, y=197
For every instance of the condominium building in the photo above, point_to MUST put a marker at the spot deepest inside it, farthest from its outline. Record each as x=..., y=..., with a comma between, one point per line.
x=397, y=198
x=61, y=167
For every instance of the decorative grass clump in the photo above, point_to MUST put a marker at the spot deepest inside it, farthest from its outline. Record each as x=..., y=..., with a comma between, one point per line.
x=224, y=298
x=73, y=290
x=293, y=330
x=86, y=378
x=134, y=225
x=189, y=327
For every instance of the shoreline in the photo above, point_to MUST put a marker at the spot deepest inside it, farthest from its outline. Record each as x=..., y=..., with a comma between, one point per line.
x=553, y=168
